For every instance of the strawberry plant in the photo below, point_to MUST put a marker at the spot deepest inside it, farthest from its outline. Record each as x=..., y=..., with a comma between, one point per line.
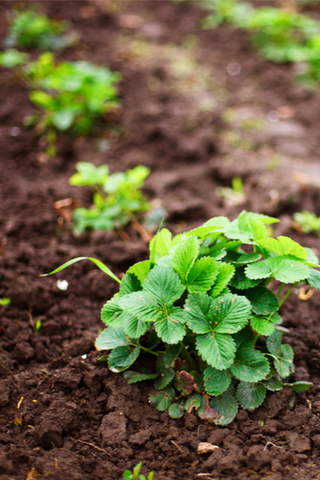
x=117, y=198
x=72, y=95
x=306, y=222
x=29, y=29
x=205, y=307
x=280, y=35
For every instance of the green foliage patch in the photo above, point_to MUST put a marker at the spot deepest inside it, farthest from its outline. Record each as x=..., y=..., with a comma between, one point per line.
x=214, y=334
x=117, y=197
x=279, y=35
x=30, y=29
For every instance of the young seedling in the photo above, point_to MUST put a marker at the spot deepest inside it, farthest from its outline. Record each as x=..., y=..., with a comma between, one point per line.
x=127, y=475
x=117, y=198
x=29, y=29
x=72, y=96
x=201, y=306
x=306, y=222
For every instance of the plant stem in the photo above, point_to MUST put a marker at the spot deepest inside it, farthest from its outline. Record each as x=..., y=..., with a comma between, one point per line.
x=149, y=351
x=188, y=356
x=288, y=293
x=280, y=290
x=268, y=280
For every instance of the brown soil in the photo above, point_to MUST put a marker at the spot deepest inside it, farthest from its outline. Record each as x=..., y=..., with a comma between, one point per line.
x=196, y=127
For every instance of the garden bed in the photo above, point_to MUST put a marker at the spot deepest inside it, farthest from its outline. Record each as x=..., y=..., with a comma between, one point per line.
x=63, y=414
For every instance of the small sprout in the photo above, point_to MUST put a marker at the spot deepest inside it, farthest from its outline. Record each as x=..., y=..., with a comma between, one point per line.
x=37, y=325
x=127, y=475
x=5, y=301
x=18, y=421
x=205, y=447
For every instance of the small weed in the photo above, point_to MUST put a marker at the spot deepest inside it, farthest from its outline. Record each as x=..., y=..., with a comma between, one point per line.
x=127, y=475
x=117, y=198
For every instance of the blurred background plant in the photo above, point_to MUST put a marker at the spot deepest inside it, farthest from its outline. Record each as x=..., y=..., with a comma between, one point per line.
x=280, y=34
x=117, y=198
x=306, y=222
x=28, y=28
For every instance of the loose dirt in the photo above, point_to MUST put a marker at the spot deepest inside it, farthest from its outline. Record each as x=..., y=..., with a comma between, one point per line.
x=63, y=414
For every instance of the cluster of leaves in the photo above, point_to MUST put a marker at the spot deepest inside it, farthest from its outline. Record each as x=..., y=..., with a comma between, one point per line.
x=127, y=475
x=30, y=29
x=307, y=222
x=280, y=35
x=117, y=197
x=72, y=94
x=200, y=305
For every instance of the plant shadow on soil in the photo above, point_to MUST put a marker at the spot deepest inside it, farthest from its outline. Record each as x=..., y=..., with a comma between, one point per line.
x=80, y=421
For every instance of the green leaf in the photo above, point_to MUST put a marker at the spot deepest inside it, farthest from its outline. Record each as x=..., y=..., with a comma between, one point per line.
x=263, y=301
x=230, y=313
x=140, y=270
x=314, y=279
x=226, y=406
x=283, y=246
x=162, y=400
x=164, y=378
x=227, y=314
x=264, y=325
x=133, y=377
x=205, y=411
x=185, y=256
x=164, y=285
x=225, y=274
x=134, y=327
x=63, y=119
x=160, y=245
x=216, y=349
x=250, y=365
x=197, y=309
x=245, y=338
x=176, y=409
x=141, y=305
x=258, y=229
x=216, y=381
x=193, y=401
x=89, y=174
x=122, y=357
x=170, y=325
x=283, y=269
x=251, y=395
x=273, y=384
x=241, y=281
x=312, y=257
x=300, y=386
x=284, y=354
x=12, y=58
x=170, y=355
x=111, y=313
x=245, y=258
x=130, y=283
x=202, y=275
x=111, y=338
x=98, y=263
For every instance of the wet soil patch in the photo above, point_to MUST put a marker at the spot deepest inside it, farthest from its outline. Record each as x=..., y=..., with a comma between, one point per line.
x=63, y=414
